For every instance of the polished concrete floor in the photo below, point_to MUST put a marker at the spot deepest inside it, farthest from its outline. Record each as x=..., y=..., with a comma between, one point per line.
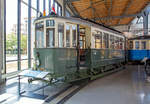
x=124, y=87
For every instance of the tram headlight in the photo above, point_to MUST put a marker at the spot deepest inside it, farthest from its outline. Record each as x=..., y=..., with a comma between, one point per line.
x=37, y=62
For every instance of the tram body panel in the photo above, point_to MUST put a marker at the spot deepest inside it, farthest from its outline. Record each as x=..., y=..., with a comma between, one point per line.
x=139, y=48
x=57, y=61
x=56, y=47
x=105, y=57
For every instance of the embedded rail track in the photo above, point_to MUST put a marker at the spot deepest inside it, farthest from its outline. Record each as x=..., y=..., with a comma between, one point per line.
x=62, y=96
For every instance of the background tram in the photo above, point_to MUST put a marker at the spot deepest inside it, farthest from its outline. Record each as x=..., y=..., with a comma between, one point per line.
x=73, y=48
x=139, y=48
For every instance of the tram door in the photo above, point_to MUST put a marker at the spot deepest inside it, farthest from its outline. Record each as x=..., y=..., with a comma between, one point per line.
x=82, y=45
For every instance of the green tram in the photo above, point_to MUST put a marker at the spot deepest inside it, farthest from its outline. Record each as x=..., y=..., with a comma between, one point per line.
x=72, y=49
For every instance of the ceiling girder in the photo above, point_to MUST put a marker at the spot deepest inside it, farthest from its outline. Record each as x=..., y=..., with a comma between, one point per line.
x=125, y=9
x=115, y=17
x=70, y=1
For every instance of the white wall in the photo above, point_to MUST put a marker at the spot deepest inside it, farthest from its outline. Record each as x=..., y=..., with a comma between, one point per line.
x=1, y=38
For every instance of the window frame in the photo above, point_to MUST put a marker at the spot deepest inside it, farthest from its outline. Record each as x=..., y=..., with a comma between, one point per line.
x=63, y=34
x=136, y=41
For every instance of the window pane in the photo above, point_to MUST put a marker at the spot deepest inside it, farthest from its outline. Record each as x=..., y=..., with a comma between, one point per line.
x=61, y=35
x=50, y=37
x=11, y=36
x=121, y=43
x=56, y=7
x=50, y=23
x=116, y=42
x=111, y=41
x=67, y=36
x=98, y=40
x=105, y=40
x=24, y=35
x=40, y=35
x=130, y=44
x=137, y=45
x=143, y=45
x=41, y=6
x=74, y=35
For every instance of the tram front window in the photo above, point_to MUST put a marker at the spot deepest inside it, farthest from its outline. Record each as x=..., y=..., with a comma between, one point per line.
x=50, y=37
x=39, y=35
x=61, y=35
x=67, y=36
x=74, y=33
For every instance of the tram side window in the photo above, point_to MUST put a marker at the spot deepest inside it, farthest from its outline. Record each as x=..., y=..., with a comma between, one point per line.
x=143, y=45
x=137, y=45
x=130, y=44
x=50, y=37
x=111, y=41
x=116, y=43
x=67, y=36
x=61, y=35
x=98, y=40
x=105, y=40
x=121, y=43
x=39, y=35
x=74, y=34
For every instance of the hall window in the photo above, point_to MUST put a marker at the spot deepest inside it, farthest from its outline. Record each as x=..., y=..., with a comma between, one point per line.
x=68, y=36
x=61, y=35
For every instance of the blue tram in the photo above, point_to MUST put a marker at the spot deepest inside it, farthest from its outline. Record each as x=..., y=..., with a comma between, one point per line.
x=139, y=48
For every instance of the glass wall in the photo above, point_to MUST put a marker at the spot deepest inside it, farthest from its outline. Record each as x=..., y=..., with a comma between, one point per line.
x=24, y=35
x=11, y=36
x=11, y=31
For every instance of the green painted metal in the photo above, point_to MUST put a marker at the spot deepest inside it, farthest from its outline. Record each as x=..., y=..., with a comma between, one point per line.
x=62, y=62
x=58, y=61
x=105, y=57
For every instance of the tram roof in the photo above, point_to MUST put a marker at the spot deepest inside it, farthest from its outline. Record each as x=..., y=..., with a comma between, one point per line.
x=109, y=12
x=81, y=19
x=141, y=37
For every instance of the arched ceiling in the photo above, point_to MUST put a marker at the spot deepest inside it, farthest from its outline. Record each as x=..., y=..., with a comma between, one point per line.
x=110, y=12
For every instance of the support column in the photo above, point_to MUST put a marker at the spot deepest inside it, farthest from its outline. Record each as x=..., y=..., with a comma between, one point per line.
x=145, y=22
x=1, y=37
x=29, y=34
x=19, y=34
x=64, y=7
x=37, y=7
